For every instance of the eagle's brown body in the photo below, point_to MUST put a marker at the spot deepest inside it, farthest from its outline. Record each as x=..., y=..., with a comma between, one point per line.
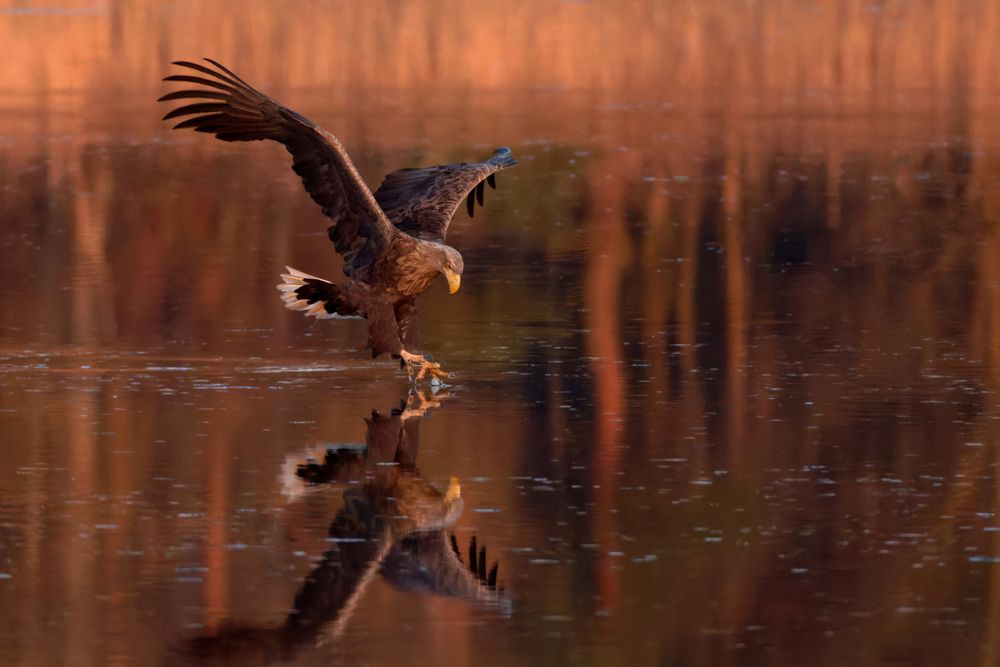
x=392, y=240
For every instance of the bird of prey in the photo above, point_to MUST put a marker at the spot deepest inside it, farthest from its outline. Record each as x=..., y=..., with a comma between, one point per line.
x=392, y=241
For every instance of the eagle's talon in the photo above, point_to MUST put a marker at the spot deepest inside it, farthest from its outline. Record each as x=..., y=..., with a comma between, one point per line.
x=433, y=368
x=435, y=371
x=419, y=364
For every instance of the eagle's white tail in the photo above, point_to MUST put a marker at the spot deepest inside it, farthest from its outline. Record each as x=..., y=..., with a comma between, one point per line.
x=314, y=306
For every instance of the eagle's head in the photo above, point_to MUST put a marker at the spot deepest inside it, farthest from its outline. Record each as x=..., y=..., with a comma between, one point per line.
x=451, y=267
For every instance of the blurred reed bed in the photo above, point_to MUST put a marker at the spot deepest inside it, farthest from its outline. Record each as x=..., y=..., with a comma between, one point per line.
x=639, y=48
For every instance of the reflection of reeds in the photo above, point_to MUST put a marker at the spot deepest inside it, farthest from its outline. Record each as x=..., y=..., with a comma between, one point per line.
x=870, y=323
x=648, y=47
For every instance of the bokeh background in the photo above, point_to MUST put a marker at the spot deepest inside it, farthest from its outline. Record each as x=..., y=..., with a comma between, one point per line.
x=727, y=344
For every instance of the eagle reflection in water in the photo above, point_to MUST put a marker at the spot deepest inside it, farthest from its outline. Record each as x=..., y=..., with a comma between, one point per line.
x=392, y=524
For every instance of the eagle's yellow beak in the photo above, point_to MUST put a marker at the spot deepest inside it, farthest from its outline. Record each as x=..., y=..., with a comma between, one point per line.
x=454, y=490
x=454, y=280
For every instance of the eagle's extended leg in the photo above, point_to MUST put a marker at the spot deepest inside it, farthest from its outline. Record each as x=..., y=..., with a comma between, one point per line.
x=417, y=366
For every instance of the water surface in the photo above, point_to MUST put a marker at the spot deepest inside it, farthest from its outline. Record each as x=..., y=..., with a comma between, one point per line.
x=726, y=373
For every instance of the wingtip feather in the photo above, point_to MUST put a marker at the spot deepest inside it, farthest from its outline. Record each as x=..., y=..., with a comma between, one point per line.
x=317, y=308
x=299, y=304
x=302, y=275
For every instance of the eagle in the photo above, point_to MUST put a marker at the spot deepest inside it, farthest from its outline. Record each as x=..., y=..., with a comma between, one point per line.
x=392, y=242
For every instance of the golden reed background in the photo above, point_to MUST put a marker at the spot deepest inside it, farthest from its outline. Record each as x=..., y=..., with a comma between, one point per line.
x=641, y=46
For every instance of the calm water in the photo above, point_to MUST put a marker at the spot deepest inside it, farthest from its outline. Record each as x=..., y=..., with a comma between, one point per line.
x=726, y=388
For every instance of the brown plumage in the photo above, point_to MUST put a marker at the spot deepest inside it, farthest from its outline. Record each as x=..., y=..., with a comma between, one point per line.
x=392, y=241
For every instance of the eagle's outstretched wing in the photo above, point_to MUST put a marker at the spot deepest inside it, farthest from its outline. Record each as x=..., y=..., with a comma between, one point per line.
x=421, y=202
x=232, y=110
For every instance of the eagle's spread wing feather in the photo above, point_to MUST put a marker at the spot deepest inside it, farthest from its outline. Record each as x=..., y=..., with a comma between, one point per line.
x=232, y=110
x=421, y=202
